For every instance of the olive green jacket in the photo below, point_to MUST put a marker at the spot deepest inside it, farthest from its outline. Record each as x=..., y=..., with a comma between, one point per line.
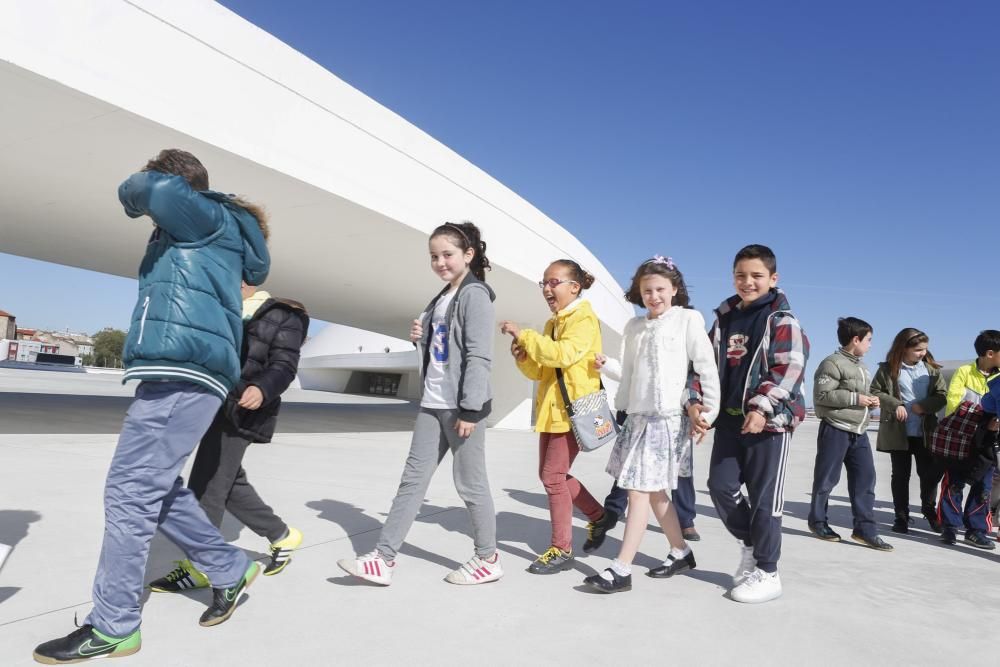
x=891, y=431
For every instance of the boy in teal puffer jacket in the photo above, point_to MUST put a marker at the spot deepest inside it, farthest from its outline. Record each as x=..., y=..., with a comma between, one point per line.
x=183, y=346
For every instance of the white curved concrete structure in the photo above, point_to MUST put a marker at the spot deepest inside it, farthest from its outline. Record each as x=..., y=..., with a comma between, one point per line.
x=91, y=90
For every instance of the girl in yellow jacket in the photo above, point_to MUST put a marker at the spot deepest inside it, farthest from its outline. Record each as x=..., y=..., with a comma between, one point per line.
x=570, y=341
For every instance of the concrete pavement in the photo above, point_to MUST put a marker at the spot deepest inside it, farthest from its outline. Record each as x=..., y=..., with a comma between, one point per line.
x=922, y=604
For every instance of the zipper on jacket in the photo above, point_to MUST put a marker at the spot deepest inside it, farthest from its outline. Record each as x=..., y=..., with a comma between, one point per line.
x=142, y=322
x=753, y=360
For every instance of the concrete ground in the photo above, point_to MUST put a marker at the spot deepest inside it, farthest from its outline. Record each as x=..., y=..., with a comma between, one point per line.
x=922, y=604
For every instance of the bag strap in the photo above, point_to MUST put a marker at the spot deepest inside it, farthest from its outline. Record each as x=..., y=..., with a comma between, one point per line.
x=562, y=382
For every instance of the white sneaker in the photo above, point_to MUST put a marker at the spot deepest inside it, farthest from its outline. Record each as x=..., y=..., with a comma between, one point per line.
x=759, y=586
x=370, y=567
x=747, y=564
x=476, y=571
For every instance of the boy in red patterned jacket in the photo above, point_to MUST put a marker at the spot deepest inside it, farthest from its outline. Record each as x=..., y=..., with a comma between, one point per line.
x=761, y=351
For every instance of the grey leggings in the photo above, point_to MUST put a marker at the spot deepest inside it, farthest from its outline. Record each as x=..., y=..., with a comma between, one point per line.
x=433, y=435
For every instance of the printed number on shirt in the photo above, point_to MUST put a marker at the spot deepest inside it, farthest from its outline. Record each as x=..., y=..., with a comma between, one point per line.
x=439, y=345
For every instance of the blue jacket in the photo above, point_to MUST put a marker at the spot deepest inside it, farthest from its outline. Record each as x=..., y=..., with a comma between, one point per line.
x=188, y=321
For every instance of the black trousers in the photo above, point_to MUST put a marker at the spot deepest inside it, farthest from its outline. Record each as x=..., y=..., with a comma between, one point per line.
x=757, y=460
x=835, y=450
x=220, y=483
x=929, y=470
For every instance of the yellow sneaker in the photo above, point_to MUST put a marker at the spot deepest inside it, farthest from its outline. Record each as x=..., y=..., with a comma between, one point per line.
x=281, y=551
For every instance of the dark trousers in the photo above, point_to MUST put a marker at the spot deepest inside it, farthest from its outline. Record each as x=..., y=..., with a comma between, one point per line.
x=929, y=470
x=837, y=449
x=683, y=498
x=976, y=517
x=757, y=460
x=220, y=483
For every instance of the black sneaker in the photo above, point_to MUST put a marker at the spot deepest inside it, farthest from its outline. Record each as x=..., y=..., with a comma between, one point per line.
x=933, y=522
x=85, y=643
x=874, y=542
x=598, y=530
x=823, y=531
x=948, y=535
x=224, y=600
x=901, y=526
x=617, y=584
x=553, y=560
x=672, y=566
x=978, y=540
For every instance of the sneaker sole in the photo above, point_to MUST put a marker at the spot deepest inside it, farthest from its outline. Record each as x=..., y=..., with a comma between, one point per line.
x=469, y=582
x=554, y=570
x=985, y=547
x=222, y=619
x=45, y=660
x=761, y=601
x=270, y=573
x=349, y=569
x=865, y=544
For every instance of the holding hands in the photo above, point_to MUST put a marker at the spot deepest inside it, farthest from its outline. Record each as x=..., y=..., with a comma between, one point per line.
x=754, y=422
x=699, y=425
x=508, y=327
x=901, y=414
x=599, y=361
x=252, y=398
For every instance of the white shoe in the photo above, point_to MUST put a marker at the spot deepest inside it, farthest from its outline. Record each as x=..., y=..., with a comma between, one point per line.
x=747, y=564
x=370, y=567
x=476, y=571
x=759, y=586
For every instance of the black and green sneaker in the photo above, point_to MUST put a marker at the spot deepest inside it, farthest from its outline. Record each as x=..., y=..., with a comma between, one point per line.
x=224, y=600
x=598, y=530
x=553, y=560
x=85, y=643
x=184, y=577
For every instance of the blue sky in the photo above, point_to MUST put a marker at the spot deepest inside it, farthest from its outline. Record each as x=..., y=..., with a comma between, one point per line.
x=858, y=139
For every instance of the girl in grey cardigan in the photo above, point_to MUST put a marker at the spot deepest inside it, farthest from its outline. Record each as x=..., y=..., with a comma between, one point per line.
x=454, y=337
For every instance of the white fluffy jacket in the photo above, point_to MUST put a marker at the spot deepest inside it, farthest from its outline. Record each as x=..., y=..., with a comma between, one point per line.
x=672, y=341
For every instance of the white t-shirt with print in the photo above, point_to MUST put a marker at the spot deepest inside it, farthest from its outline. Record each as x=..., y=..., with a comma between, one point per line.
x=438, y=393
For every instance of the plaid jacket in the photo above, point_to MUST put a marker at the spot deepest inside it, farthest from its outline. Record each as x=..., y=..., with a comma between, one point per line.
x=773, y=386
x=954, y=436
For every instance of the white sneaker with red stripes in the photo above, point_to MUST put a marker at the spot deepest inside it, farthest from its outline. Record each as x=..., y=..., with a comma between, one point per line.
x=370, y=567
x=477, y=570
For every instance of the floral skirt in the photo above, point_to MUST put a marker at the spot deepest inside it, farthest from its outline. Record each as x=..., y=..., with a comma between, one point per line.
x=651, y=452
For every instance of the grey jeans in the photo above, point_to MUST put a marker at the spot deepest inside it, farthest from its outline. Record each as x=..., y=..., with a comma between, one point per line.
x=143, y=490
x=433, y=435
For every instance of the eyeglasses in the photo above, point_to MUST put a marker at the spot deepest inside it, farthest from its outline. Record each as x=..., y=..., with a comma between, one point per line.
x=553, y=282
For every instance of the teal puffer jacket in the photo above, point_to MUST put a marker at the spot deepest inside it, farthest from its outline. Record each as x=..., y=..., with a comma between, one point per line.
x=188, y=321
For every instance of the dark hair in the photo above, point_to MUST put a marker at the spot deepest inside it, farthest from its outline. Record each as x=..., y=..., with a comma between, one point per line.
x=465, y=235
x=850, y=327
x=659, y=266
x=757, y=251
x=907, y=338
x=581, y=277
x=180, y=163
x=987, y=340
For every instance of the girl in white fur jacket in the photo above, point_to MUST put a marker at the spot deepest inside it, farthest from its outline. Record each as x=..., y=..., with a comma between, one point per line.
x=654, y=446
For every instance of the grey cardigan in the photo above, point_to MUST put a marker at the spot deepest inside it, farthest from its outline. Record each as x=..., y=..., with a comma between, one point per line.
x=471, y=330
x=838, y=382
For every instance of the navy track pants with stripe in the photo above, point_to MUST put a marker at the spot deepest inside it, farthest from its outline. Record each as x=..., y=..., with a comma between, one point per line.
x=758, y=461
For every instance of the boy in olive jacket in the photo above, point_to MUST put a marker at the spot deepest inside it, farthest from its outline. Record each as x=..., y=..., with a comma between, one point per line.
x=842, y=402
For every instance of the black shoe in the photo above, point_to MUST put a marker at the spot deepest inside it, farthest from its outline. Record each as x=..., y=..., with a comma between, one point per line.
x=617, y=584
x=673, y=566
x=978, y=540
x=823, y=531
x=224, y=600
x=553, y=560
x=691, y=535
x=874, y=542
x=85, y=643
x=934, y=522
x=598, y=530
x=948, y=535
x=901, y=526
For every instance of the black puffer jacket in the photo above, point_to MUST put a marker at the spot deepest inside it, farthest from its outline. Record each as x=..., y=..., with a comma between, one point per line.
x=270, y=357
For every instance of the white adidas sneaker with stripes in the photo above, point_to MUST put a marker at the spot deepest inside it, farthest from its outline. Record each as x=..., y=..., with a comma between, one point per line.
x=477, y=570
x=370, y=567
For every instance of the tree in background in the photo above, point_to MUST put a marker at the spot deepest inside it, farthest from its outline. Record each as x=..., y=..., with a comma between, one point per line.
x=108, y=345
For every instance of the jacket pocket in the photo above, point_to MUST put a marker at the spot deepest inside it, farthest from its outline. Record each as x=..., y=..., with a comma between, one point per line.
x=142, y=322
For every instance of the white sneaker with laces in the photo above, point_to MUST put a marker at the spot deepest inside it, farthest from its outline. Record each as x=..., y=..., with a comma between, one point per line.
x=747, y=564
x=759, y=586
x=476, y=571
x=370, y=567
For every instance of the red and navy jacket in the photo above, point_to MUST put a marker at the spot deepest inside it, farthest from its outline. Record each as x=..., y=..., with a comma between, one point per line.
x=773, y=386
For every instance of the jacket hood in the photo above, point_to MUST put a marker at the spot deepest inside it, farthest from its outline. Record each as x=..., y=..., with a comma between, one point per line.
x=780, y=303
x=291, y=305
x=256, y=258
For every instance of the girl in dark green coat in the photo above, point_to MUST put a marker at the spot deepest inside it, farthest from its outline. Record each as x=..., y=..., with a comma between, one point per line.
x=910, y=389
